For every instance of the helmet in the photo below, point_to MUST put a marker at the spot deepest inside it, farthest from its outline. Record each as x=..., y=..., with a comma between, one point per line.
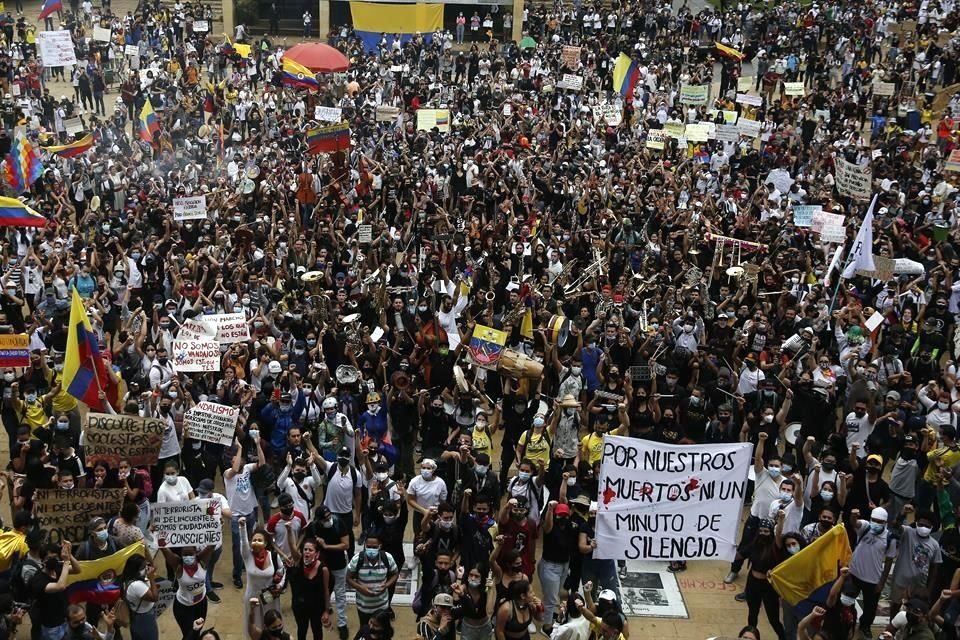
x=329, y=403
x=373, y=398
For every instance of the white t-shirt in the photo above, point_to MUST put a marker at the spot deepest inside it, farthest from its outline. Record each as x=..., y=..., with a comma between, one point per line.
x=427, y=493
x=135, y=593
x=794, y=512
x=766, y=490
x=178, y=492
x=240, y=493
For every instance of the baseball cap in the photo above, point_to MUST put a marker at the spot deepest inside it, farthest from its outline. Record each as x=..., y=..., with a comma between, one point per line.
x=875, y=457
x=561, y=510
x=274, y=367
x=443, y=600
x=893, y=395
x=205, y=487
x=344, y=452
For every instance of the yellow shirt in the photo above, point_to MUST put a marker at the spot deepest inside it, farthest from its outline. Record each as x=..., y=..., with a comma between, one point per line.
x=62, y=401
x=593, y=443
x=536, y=447
x=33, y=415
x=950, y=459
x=481, y=442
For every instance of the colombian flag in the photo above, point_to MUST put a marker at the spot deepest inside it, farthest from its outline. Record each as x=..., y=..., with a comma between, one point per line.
x=625, y=75
x=729, y=52
x=149, y=125
x=13, y=545
x=14, y=213
x=297, y=75
x=98, y=580
x=84, y=372
x=328, y=139
x=805, y=579
x=50, y=7
x=73, y=149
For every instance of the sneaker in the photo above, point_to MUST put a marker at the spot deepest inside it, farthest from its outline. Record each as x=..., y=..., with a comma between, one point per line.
x=866, y=634
x=343, y=633
x=730, y=577
x=214, y=598
x=740, y=597
x=216, y=585
x=238, y=583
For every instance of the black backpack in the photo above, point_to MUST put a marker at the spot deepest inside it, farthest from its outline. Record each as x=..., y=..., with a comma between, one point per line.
x=19, y=588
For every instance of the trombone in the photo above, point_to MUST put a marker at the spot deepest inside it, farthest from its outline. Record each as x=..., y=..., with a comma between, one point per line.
x=594, y=269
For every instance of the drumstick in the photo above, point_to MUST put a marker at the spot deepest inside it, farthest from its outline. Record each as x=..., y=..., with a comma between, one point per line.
x=732, y=395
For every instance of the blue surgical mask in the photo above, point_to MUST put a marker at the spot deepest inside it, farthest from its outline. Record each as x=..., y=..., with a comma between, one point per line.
x=538, y=422
x=189, y=560
x=826, y=495
x=524, y=476
x=787, y=468
x=876, y=527
x=786, y=496
x=103, y=536
x=373, y=554
x=793, y=548
x=30, y=397
x=774, y=471
x=482, y=469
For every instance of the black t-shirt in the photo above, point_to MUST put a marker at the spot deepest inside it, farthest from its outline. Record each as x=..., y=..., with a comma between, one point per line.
x=861, y=494
x=561, y=542
x=49, y=609
x=334, y=560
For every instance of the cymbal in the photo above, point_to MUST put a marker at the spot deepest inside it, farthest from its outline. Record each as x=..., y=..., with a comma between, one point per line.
x=311, y=276
x=253, y=172
x=248, y=186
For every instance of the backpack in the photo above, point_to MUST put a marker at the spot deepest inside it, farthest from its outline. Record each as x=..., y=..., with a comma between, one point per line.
x=144, y=476
x=418, y=604
x=363, y=556
x=18, y=587
x=332, y=469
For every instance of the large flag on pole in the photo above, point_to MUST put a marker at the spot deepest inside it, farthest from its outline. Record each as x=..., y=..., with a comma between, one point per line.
x=84, y=372
x=861, y=253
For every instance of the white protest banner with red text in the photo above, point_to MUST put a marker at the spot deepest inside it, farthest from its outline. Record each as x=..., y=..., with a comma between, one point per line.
x=669, y=502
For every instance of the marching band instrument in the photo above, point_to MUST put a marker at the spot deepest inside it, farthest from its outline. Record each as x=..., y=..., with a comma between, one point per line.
x=518, y=365
x=490, y=296
x=311, y=276
x=592, y=270
x=558, y=330
x=749, y=246
x=347, y=374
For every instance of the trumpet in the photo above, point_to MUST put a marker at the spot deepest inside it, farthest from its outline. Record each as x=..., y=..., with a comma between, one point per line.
x=594, y=269
x=490, y=296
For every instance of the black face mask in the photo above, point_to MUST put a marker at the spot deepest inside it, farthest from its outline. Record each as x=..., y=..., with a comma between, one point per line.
x=828, y=467
x=913, y=619
x=286, y=512
x=908, y=454
x=299, y=476
x=873, y=470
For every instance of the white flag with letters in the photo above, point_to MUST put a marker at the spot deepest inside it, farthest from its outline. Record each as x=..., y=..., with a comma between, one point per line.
x=861, y=253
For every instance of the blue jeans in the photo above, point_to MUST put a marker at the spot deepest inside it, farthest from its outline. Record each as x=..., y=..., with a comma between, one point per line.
x=235, y=538
x=552, y=577
x=53, y=633
x=339, y=577
x=212, y=563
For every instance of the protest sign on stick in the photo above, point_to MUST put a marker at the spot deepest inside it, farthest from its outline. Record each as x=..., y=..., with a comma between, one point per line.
x=211, y=422
x=192, y=523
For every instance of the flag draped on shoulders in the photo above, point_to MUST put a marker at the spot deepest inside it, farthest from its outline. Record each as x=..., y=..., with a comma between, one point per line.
x=149, y=124
x=22, y=166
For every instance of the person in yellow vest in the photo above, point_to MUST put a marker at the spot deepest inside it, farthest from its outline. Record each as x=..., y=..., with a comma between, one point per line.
x=591, y=446
x=29, y=409
x=535, y=443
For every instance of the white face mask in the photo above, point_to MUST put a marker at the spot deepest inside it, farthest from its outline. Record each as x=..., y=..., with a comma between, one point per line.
x=943, y=406
x=381, y=477
x=571, y=482
x=768, y=418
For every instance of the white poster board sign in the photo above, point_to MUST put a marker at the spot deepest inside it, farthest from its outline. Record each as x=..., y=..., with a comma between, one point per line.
x=192, y=523
x=190, y=356
x=201, y=26
x=56, y=48
x=212, y=422
x=668, y=502
x=196, y=330
x=101, y=34
x=749, y=128
x=853, y=180
x=327, y=114
x=570, y=81
x=231, y=327
x=190, y=208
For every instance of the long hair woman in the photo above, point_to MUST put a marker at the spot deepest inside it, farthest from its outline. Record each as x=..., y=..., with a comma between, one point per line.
x=309, y=582
x=138, y=584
